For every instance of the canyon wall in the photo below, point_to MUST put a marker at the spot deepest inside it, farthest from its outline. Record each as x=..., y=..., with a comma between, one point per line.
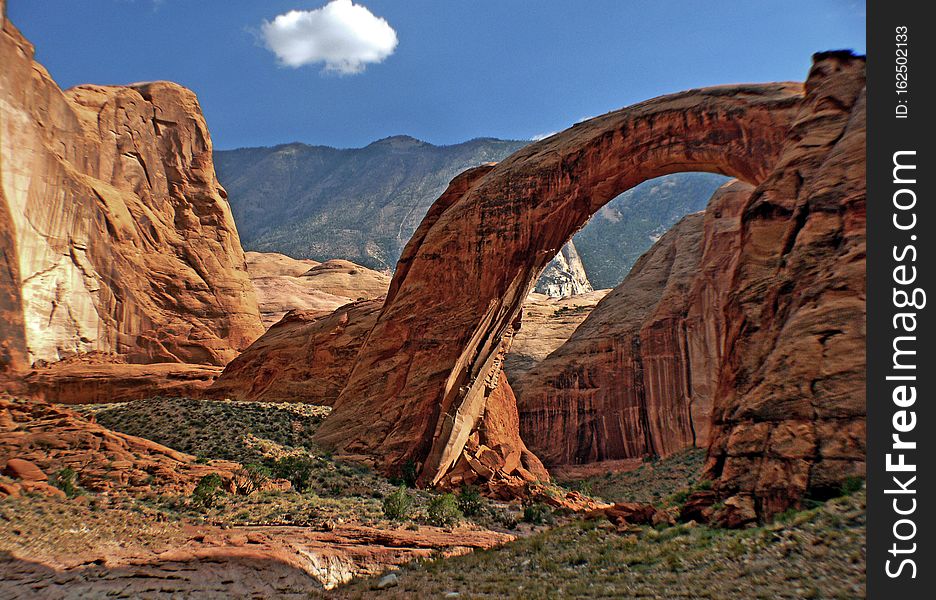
x=637, y=377
x=121, y=233
x=792, y=368
x=423, y=377
x=789, y=417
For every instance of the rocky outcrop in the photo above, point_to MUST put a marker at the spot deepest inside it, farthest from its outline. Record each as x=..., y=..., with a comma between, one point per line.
x=283, y=284
x=52, y=437
x=80, y=382
x=547, y=324
x=789, y=416
x=425, y=374
x=308, y=355
x=122, y=236
x=305, y=357
x=565, y=275
x=637, y=377
x=619, y=387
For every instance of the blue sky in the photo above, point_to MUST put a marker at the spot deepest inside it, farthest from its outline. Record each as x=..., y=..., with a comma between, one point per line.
x=450, y=71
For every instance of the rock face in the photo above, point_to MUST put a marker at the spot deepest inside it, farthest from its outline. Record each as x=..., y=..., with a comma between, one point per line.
x=422, y=378
x=426, y=373
x=637, y=378
x=305, y=357
x=308, y=355
x=565, y=275
x=52, y=437
x=122, y=236
x=283, y=284
x=790, y=416
x=547, y=324
x=619, y=387
x=80, y=382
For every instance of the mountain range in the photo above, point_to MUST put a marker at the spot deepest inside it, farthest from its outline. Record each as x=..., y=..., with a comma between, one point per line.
x=363, y=204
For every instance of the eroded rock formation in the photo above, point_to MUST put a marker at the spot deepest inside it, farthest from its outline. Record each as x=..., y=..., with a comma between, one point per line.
x=283, y=284
x=426, y=373
x=547, y=324
x=565, y=276
x=618, y=388
x=111, y=210
x=790, y=417
x=306, y=357
x=637, y=377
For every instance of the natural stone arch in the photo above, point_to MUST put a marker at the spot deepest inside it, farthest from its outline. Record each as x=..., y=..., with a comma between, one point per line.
x=422, y=379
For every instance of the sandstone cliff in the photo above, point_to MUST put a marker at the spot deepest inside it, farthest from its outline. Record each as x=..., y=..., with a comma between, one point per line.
x=431, y=365
x=546, y=324
x=636, y=378
x=122, y=236
x=618, y=387
x=789, y=417
x=305, y=357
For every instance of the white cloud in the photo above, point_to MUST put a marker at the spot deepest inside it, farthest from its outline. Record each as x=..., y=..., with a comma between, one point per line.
x=346, y=37
x=542, y=136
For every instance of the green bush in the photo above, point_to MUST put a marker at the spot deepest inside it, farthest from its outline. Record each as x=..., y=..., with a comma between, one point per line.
x=407, y=476
x=66, y=480
x=470, y=501
x=397, y=504
x=851, y=485
x=298, y=470
x=208, y=491
x=537, y=514
x=443, y=511
x=250, y=478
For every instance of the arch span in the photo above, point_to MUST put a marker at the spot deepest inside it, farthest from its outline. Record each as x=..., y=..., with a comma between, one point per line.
x=420, y=384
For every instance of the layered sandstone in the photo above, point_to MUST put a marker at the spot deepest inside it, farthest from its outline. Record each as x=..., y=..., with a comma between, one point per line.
x=112, y=212
x=547, y=322
x=82, y=382
x=637, y=377
x=53, y=437
x=429, y=368
x=305, y=357
x=790, y=417
x=619, y=387
x=282, y=284
x=423, y=377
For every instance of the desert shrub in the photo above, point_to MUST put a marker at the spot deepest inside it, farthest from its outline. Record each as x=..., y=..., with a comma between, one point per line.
x=407, y=476
x=397, y=504
x=503, y=517
x=250, y=479
x=470, y=501
x=537, y=514
x=443, y=511
x=66, y=480
x=851, y=485
x=208, y=491
x=298, y=470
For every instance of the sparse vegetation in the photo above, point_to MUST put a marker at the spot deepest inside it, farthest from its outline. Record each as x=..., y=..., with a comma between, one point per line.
x=66, y=480
x=398, y=504
x=251, y=478
x=470, y=501
x=443, y=511
x=208, y=491
x=538, y=514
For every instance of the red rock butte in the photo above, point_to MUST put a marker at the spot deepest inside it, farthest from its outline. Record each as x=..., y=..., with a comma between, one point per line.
x=791, y=379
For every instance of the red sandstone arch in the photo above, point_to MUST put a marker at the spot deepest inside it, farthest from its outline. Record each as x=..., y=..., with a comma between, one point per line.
x=421, y=383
